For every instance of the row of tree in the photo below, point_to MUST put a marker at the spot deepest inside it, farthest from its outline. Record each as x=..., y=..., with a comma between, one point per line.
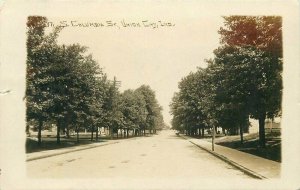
x=66, y=87
x=242, y=80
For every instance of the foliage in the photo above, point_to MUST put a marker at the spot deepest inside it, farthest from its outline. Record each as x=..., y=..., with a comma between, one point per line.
x=66, y=87
x=243, y=79
x=152, y=108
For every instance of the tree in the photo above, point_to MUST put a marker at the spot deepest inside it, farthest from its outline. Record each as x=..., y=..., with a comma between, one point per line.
x=40, y=48
x=153, y=109
x=234, y=89
x=188, y=105
x=62, y=82
x=141, y=111
x=113, y=116
x=132, y=107
x=262, y=36
x=72, y=86
x=67, y=87
x=176, y=109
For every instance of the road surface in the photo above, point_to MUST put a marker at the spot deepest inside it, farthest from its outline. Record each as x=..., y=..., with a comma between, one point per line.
x=162, y=155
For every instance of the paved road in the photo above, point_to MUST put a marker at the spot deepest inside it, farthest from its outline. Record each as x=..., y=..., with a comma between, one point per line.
x=163, y=155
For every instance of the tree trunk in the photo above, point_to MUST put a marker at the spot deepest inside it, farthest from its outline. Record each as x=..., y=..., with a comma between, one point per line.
x=262, y=138
x=92, y=135
x=58, y=132
x=246, y=127
x=40, y=133
x=97, y=136
x=202, y=132
x=77, y=135
x=213, y=138
x=127, y=133
x=67, y=121
x=27, y=130
x=117, y=133
x=111, y=133
x=241, y=134
x=68, y=131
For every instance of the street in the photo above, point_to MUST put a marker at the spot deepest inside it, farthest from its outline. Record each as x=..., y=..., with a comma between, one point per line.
x=162, y=155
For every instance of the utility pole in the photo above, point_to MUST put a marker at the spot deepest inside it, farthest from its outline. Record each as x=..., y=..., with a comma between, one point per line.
x=116, y=84
x=213, y=139
x=212, y=122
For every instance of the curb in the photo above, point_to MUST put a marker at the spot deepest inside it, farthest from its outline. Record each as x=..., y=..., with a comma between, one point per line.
x=68, y=151
x=227, y=160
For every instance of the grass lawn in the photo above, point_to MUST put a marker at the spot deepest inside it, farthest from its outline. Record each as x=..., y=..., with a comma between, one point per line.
x=272, y=150
x=49, y=141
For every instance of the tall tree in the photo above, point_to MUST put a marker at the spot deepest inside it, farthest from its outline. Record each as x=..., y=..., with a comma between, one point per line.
x=40, y=48
x=262, y=37
x=132, y=107
x=235, y=87
x=153, y=109
x=62, y=82
x=113, y=116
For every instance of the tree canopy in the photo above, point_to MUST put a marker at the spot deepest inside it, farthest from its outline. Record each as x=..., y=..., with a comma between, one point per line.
x=243, y=79
x=66, y=87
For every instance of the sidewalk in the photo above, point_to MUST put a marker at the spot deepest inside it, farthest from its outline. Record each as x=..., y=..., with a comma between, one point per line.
x=252, y=165
x=55, y=152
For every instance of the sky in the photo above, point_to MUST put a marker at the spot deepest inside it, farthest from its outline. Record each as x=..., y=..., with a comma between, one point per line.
x=155, y=55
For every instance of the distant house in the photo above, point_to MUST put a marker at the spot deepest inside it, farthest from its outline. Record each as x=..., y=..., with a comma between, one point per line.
x=270, y=126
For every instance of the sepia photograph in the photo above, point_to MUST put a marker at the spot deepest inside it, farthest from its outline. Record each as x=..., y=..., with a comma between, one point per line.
x=149, y=95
